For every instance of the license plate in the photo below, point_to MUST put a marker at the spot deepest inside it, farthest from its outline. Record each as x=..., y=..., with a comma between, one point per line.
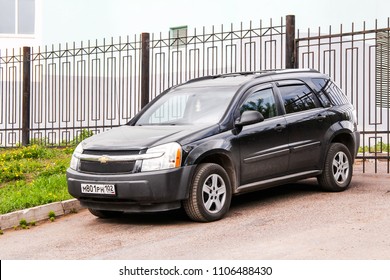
x=98, y=189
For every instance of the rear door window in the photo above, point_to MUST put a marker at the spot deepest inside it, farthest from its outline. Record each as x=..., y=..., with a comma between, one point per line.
x=297, y=98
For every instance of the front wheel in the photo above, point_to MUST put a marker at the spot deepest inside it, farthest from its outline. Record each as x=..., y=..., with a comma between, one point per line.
x=337, y=173
x=210, y=194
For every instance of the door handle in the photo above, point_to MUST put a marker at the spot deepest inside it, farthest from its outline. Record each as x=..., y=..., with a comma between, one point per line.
x=279, y=127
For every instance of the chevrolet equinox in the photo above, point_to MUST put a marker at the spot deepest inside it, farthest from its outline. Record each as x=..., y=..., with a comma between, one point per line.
x=199, y=143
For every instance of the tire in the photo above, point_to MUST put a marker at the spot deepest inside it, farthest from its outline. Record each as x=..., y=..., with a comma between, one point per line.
x=210, y=194
x=104, y=214
x=337, y=173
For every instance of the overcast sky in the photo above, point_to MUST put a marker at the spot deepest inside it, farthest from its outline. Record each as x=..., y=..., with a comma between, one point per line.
x=68, y=20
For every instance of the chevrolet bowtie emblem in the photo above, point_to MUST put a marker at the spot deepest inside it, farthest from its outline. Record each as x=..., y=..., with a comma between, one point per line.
x=103, y=159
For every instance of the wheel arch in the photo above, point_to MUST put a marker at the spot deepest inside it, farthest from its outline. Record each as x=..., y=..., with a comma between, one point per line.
x=222, y=158
x=346, y=139
x=342, y=132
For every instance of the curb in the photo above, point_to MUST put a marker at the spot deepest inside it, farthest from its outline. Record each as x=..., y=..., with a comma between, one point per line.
x=39, y=213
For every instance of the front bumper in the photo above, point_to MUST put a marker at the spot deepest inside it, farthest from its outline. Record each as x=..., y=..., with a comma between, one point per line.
x=138, y=192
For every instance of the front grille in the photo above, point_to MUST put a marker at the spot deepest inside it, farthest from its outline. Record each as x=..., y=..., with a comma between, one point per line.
x=108, y=167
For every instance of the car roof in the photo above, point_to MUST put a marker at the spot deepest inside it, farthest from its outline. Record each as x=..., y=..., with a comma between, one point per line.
x=239, y=78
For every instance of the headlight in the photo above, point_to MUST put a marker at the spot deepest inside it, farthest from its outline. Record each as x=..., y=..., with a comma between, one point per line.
x=170, y=158
x=75, y=161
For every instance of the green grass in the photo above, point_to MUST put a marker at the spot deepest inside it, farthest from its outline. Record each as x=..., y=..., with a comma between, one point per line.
x=32, y=176
x=35, y=175
x=380, y=147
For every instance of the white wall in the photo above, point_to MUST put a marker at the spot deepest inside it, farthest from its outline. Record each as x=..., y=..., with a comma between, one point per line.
x=62, y=21
x=17, y=41
x=76, y=20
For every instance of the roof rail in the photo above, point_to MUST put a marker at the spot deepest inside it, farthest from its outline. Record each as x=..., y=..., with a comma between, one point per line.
x=202, y=78
x=232, y=74
x=261, y=72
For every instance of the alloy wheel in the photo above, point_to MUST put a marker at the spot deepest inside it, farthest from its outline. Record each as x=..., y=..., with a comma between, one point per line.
x=214, y=193
x=340, y=167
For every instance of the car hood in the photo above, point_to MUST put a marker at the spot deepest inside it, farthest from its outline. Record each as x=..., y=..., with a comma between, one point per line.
x=142, y=137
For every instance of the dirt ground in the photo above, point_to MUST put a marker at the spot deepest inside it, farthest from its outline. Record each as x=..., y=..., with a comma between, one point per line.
x=296, y=221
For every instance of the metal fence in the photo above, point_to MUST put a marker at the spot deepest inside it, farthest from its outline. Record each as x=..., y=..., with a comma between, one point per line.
x=10, y=97
x=68, y=89
x=97, y=86
x=224, y=49
x=358, y=60
x=54, y=93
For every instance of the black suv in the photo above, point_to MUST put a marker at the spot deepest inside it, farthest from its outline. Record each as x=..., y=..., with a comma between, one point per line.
x=199, y=143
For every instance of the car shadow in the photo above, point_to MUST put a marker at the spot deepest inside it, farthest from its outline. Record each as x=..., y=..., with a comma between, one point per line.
x=178, y=216
x=299, y=189
x=156, y=218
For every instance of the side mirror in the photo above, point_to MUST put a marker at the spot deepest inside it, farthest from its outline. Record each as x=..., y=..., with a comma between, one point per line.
x=250, y=117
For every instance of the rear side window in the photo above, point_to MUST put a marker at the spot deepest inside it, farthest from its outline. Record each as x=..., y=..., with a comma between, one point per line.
x=335, y=94
x=297, y=98
x=322, y=96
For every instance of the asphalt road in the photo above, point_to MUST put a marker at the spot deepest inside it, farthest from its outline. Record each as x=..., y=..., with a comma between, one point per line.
x=295, y=221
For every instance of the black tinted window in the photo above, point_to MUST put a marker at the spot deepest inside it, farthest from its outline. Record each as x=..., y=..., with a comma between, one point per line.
x=320, y=88
x=335, y=94
x=262, y=101
x=297, y=98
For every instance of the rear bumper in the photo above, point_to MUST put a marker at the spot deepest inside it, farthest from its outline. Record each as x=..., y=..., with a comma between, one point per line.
x=138, y=192
x=357, y=143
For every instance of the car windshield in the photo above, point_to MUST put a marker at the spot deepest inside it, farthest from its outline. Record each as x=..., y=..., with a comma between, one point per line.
x=205, y=105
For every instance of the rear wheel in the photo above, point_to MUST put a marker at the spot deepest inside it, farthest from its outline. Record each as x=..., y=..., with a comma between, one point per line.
x=337, y=173
x=104, y=214
x=210, y=194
